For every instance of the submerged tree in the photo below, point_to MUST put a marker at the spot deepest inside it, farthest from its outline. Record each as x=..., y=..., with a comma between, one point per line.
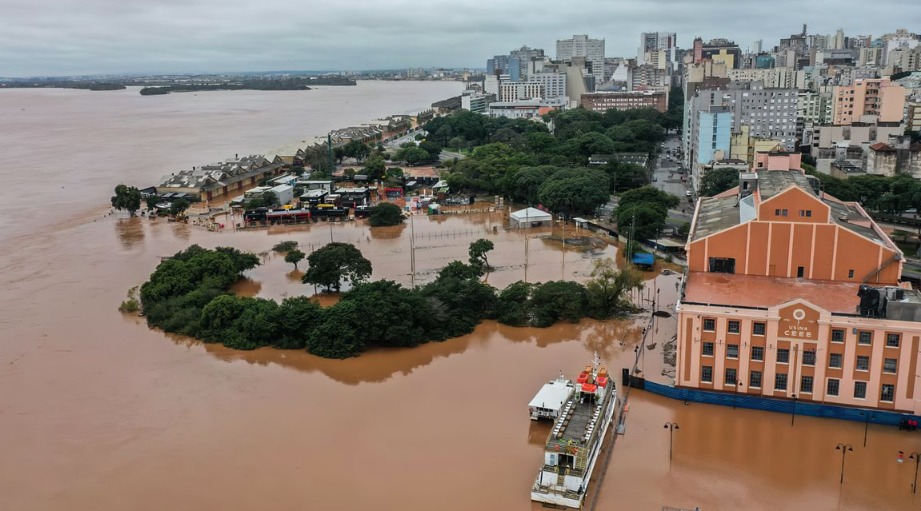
x=294, y=256
x=477, y=252
x=335, y=262
x=608, y=286
x=127, y=198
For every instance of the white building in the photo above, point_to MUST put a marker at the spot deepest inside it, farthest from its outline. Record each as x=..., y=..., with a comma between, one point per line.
x=554, y=84
x=516, y=91
x=583, y=46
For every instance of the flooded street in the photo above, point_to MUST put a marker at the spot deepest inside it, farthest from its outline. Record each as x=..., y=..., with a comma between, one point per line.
x=97, y=412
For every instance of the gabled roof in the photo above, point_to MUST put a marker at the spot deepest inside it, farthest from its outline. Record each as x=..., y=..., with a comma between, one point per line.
x=882, y=147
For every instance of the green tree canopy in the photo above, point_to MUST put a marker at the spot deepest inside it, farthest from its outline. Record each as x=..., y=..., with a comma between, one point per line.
x=334, y=262
x=294, y=256
x=575, y=191
x=717, y=181
x=477, y=252
x=384, y=214
x=606, y=291
x=127, y=198
x=178, y=207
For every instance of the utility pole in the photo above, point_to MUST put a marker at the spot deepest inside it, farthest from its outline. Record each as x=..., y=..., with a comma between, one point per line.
x=412, y=248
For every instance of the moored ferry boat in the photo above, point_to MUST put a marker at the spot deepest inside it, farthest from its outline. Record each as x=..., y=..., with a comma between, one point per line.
x=575, y=440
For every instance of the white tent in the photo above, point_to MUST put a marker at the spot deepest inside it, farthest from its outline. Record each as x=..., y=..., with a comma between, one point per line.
x=530, y=217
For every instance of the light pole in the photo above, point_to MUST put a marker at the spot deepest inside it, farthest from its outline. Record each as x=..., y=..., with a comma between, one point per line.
x=793, y=413
x=844, y=448
x=671, y=427
x=917, y=457
x=866, y=425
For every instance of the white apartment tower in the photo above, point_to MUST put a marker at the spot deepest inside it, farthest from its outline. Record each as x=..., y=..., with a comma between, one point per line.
x=583, y=46
x=651, y=42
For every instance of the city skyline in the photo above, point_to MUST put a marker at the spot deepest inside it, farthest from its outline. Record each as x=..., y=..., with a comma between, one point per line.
x=50, y=38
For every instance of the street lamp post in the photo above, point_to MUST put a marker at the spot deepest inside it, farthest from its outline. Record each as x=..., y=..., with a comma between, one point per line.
x=671, y=427
x=866, y=425
x=844, y=448
x=793, y=413
x=917, y=457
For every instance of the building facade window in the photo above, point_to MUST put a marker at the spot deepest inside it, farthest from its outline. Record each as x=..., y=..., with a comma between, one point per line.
x=805, y=385
x=832, y=388
x=860, y=390
x=708, y=349
x=887, y=392
x=890, y=365
x=850, y=274
x=731, y=376
x=780, y=381
x=834, y=360
x=733, y=327
x=732, y=351
x=809, y=358
x=706, y=374
x=783, y=356
x=758, y=353
x=758, y=329
x=709, y=325
x=754, y=379
x=837, y=335
x=864, y=337
x=892, y=340
x=863, y=363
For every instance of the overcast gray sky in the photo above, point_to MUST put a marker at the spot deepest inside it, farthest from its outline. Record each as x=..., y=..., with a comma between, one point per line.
x=62, y=37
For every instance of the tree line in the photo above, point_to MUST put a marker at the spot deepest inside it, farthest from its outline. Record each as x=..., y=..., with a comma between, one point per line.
x=189, y=294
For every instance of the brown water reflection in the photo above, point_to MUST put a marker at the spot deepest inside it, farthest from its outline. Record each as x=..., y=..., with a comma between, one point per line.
x=130, y=231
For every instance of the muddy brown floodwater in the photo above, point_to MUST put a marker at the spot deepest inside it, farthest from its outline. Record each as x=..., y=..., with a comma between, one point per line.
x=98, y=412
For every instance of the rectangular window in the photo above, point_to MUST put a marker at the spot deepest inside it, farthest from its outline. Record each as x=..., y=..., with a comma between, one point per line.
x=832, y=388
x=758, y=353
x=732, y=351
x=809, y=358
x=722, y=265
x=731, y=376
x=864, y=337
x=834, y=360
x=800, y=272
x=757, y=328
x=706, y=374
x=733, y=327
x=783, y=356
x=805, y=385
x=805, y=213
x=850, y=274
x=708, y=349
x=892, y=340
x=887, y=392
x=860, y=389
x=863, y=363
x=780, y=381
x=709, y=325
x=837, y=335
x=890, y=365
x=754, y=379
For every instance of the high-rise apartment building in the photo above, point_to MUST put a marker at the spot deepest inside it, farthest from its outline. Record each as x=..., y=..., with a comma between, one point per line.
x=873, y=97
x=583, y=46
x=526, y=55
x=656, y=42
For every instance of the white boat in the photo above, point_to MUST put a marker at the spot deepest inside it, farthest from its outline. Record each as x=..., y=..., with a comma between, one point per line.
x=550, y=399
x=575, y=440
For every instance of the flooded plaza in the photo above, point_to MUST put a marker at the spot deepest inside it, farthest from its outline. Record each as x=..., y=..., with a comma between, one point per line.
x=98, y=412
